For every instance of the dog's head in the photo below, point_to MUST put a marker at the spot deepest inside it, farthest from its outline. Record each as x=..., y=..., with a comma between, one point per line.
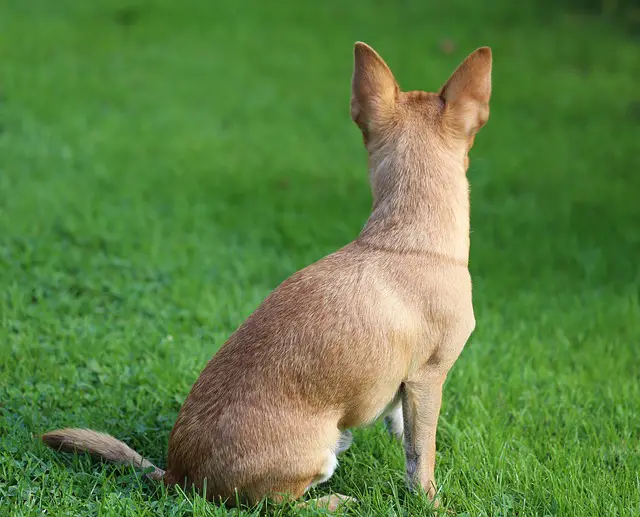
x=419, y=131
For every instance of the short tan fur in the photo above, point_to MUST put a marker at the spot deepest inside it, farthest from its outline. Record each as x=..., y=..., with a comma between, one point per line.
x=369, y=331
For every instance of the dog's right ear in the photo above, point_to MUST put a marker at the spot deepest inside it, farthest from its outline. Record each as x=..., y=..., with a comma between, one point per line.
x=467, y=93
x=374, y=90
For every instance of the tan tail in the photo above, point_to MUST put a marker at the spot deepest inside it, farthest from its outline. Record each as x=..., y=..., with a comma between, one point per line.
x=100, y=445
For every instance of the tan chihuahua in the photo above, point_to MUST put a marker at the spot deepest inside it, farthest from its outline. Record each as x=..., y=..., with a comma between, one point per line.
x=367, y=332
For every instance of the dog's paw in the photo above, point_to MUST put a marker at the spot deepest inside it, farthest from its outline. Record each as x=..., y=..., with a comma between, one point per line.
x=334, y=501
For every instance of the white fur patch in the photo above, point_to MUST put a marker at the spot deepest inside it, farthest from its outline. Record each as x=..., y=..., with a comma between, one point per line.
x=396, y=422
x=329, y=467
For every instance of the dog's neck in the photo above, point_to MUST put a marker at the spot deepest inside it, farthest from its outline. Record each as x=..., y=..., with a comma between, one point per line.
x=420, y=206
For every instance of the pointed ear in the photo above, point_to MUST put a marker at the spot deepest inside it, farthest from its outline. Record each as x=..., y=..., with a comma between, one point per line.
x=374, y=90
x=467, y=92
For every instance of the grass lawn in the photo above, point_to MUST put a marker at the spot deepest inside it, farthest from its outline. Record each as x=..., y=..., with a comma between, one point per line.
x=164, y=165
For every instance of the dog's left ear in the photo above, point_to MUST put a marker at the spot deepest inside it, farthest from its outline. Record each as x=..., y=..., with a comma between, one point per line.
x=467, y=92
x=374, y=91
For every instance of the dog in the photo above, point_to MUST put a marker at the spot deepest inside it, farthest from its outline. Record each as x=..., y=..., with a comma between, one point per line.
x=368, y=332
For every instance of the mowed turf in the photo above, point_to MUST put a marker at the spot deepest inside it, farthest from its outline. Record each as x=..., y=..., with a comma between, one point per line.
x=164, y=165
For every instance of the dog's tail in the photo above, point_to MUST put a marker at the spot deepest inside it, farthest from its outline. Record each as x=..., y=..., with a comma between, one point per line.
x=101, y=446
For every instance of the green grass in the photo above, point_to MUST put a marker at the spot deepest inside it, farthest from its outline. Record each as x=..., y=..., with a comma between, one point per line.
x=163, y=165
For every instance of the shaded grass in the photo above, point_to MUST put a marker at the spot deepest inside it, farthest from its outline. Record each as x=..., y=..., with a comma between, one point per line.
x=163, y=166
